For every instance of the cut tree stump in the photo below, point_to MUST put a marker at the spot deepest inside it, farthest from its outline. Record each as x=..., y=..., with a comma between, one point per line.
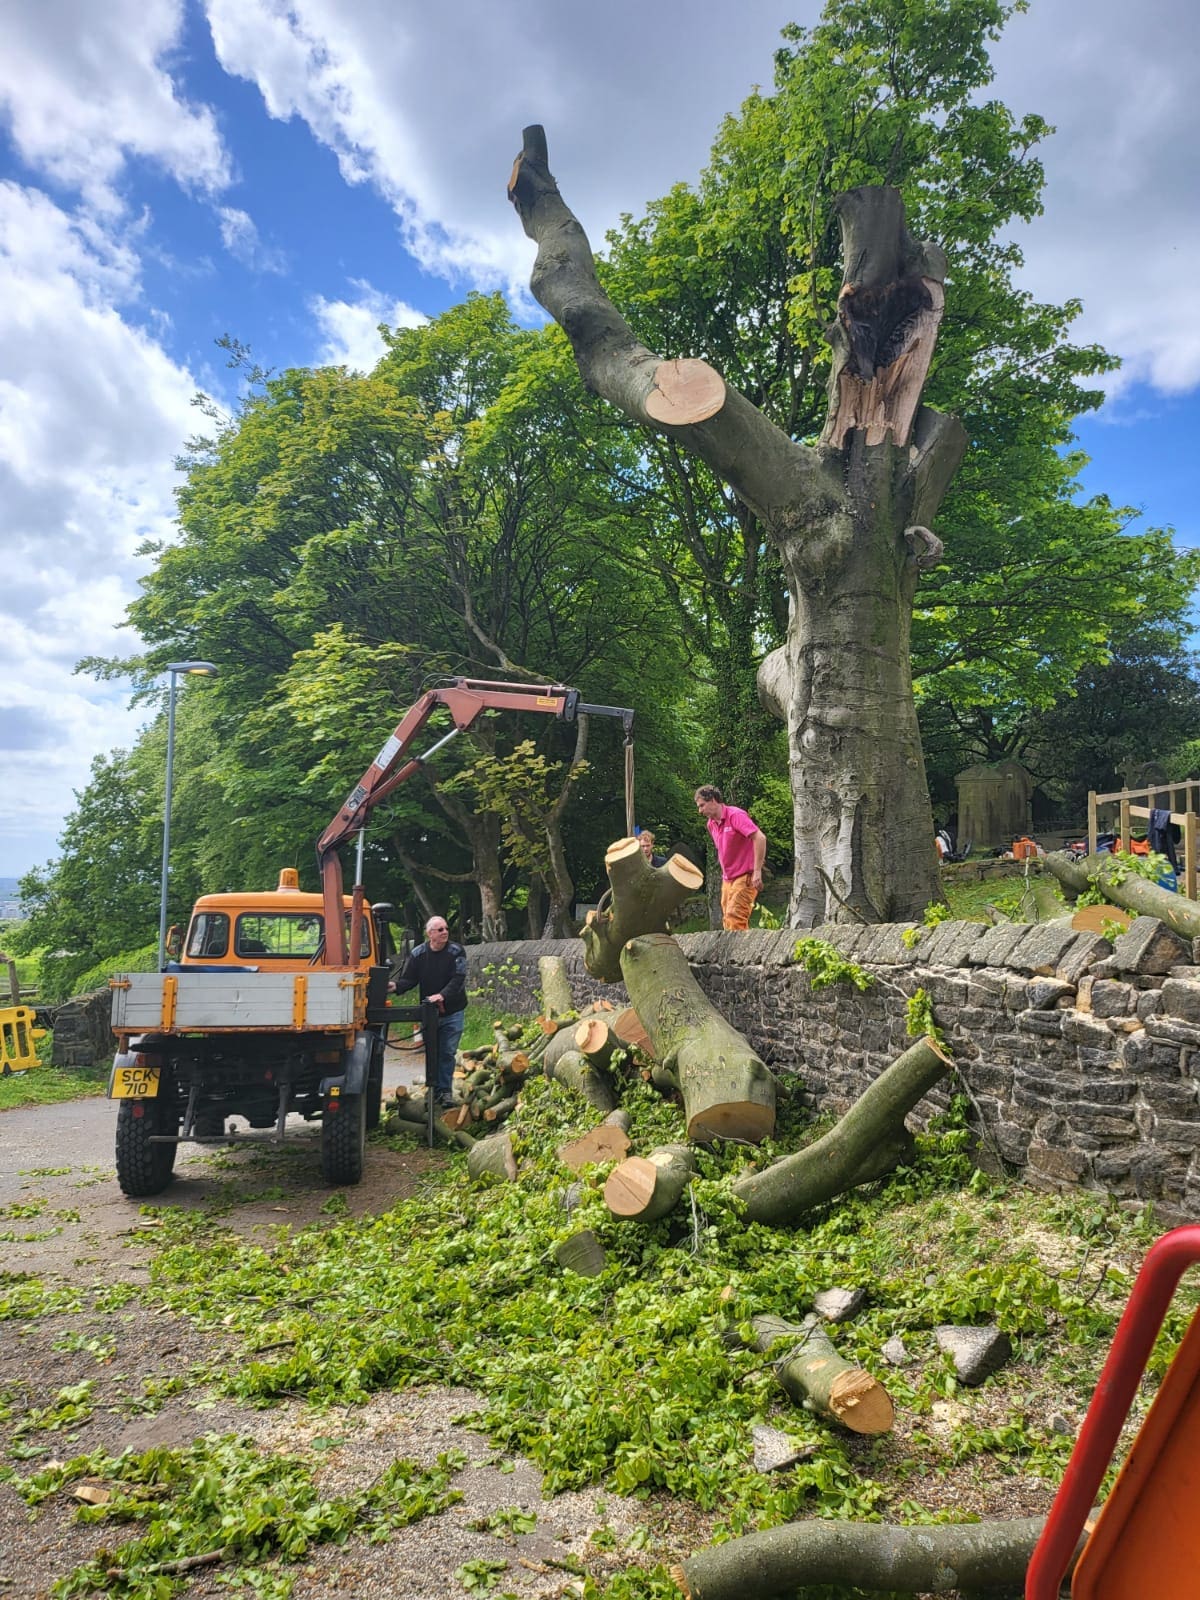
x=644, y=898
x=941, y=1558
x=644, y=1188
x=728, y=1092
x=607, y=1142
x=815, y=1376
x=868, y=1142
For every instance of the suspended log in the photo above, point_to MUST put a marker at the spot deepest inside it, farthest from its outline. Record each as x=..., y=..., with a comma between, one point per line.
x=609, y=1141
x=493, y=1157
x=644, y=898
x=942, y=1558
x=582, y=1253
x=576, y=1073
x=557, y=999
x=596, y=1041
x=815, y=1376
x=852, y=1152
x=1111, y=874
x=728, y=1093
x=644, y=1188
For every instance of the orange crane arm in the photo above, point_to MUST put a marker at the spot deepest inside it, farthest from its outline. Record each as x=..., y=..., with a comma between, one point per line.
x=466, y=699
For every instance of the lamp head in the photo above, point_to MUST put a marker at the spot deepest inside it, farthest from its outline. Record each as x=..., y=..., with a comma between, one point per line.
x=198, y=669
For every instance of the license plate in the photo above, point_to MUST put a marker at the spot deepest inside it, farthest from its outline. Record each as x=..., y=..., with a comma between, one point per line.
x=135, y=1083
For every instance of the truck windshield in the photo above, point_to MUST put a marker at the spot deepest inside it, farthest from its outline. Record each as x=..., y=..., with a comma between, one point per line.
x=208, y=935
x=287, y=935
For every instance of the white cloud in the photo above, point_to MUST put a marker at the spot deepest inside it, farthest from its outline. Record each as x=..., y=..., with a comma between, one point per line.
x=429, y=106
x=92, y=414
x=240, y=237
x=1122, y=204
x=350, y=328
x=86, y=92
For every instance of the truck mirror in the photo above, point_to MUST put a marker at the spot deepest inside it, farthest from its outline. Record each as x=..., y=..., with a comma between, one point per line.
x=174, y=944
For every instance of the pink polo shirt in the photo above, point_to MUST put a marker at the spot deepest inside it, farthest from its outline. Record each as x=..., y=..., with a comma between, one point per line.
x=733, y=836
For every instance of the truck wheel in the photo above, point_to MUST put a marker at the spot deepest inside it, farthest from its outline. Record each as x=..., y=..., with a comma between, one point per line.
x=344, y=1140
x=375, y=1088
x=144, y=1168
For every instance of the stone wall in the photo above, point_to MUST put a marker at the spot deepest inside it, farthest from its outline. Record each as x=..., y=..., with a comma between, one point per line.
x=1081, y=1059
x=83, y=1035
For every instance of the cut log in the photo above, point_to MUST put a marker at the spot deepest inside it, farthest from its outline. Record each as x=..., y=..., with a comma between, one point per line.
x=644, y=898
x=1112, y=876
x=556, y=1047
x=493, y=1157
x=411, y=1114
x=644, y=1188
x=728, y=1093
x=815, y=1376
x=582, y=1253
x=557, y=999
x=576, y=1073
x=627, y=1026
x=500, y=1109
x=596, y=1041
x=942, y=1558
x=607, y=1142
x=856, y=1150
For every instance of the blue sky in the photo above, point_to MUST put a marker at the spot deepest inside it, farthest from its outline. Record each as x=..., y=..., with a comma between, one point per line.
x=292, y=172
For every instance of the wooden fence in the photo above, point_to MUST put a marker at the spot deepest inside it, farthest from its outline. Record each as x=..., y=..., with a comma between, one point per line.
x=1139, y=803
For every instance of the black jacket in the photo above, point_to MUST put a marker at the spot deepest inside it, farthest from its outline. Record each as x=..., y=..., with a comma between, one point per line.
x=441, y=972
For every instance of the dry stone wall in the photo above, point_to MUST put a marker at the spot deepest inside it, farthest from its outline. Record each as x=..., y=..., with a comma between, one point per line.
x=1081, y=1058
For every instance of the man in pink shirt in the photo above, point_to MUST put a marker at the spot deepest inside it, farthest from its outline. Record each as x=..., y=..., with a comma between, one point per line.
x=741, y=849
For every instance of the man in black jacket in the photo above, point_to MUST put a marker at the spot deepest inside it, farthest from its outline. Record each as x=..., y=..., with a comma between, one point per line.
x=440, y=969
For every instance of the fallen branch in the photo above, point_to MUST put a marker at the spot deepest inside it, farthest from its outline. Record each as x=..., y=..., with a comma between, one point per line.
x=1123, y=886
x=815, y=1376
x=869, y=1141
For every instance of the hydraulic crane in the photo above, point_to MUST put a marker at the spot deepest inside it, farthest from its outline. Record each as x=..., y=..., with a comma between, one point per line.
x=466, y=699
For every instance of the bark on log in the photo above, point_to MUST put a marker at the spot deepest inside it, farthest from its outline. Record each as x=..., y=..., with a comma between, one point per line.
x=850, y=519
x=644, y=1188
x=576, y=1073
x=494, y=1158
x=609, y=1141
x=871, y=1132
x=556, y=1047
x=944, y=1558
x=582, y=1253
x=816, y=1376
x=644, y=898
x=557, y=999
x=411, y=1111
x=1124, y=888
x=728, y=1093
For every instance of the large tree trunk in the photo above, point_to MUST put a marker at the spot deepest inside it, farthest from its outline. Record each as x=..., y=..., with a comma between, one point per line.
x=867, y=1143
x=946, y=1558
x=849, y=518
x=728, y=1093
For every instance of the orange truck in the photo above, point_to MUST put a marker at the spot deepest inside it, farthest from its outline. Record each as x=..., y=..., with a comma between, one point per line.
x=276, y=1003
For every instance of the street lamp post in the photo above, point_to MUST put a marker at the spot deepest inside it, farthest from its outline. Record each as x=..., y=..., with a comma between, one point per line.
x=199, y=669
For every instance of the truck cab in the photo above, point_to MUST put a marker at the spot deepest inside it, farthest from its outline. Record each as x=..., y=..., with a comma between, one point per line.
x=247, y=1020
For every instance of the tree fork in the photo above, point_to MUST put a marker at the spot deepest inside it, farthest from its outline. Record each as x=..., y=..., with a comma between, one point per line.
x=644, y=898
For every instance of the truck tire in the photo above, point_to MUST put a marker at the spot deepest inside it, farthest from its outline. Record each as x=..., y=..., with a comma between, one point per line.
x=375, y=1088
x=144, y=1168
x=344, y=1140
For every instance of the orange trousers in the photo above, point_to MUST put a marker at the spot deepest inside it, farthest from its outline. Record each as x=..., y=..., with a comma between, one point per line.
x=737, y=902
